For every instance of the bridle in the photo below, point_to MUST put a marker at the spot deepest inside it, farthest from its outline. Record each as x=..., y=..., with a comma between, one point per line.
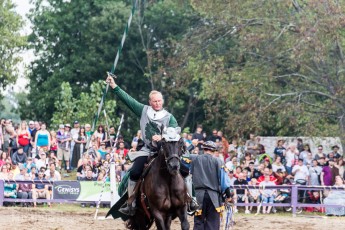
x=171, y=156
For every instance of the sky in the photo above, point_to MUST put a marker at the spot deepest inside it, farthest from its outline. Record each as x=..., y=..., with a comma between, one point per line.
x=22, y=8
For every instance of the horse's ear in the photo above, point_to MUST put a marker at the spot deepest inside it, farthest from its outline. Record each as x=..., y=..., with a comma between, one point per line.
x=178, y=130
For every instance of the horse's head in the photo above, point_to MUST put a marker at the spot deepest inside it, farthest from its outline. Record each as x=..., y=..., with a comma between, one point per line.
x=172, y=146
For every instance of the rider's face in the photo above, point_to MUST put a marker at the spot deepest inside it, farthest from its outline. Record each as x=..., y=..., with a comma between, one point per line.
x=156, y=101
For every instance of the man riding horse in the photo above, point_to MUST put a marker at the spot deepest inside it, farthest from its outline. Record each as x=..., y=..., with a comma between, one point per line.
x=152, y=119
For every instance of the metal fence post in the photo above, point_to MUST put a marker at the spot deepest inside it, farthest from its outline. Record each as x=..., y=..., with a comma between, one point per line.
x=2, y=192
x=294, y=199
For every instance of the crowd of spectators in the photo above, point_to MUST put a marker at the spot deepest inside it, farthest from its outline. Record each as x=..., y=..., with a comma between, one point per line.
x=31, y=152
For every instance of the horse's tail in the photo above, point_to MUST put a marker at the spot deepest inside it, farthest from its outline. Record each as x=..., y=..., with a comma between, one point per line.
x=139, y=220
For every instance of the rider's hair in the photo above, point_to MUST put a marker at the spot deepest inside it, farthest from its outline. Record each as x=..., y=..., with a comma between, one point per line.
x=154, y=92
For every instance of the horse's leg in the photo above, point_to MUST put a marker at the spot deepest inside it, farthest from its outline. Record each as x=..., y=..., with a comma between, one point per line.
x=182, y=215
x=159, y=220
x=168, y=222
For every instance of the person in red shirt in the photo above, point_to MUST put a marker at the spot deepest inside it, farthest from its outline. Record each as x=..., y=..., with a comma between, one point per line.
x=122, y=151
x=267, y=172
x=24, y=136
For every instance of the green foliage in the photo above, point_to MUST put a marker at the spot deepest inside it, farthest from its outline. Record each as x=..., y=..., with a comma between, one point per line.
x=83, y=108
x=10, y=42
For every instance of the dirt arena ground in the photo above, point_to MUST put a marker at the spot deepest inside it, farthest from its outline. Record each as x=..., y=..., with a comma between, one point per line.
x=58, y=218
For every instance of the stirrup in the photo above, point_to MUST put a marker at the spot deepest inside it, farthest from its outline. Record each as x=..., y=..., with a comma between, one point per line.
x=192, y=206
x=128, y=209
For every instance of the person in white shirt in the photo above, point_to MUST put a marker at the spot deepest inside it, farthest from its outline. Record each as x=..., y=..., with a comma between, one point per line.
x=300, y=172
x=267, y=195
x=290, y=157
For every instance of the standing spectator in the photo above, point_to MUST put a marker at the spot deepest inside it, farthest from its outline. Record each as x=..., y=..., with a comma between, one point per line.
x=88, y=131
x=214, y=137
x=25, y=190
x=277, y=164
x=137, y=136
x=280, y=151
x=241, y=195
x=252, y=145
x=300, y=145
x=308, y=160
x=2, y=122
x=3, y=156
x=225, y=144
x=24, y=137
x=79, y=147
x=315, y=174
x=334, y=154
x=326, y=175
x=291, y=158
x=112, y=137
x=100, y=136
x=303, y=155
x=19, y=157
x=199, y=136
x=37, y=126
x=267, y=195
x=54, y=143
x=40, y=190
x=101, y=152
x=64, y=144
x=300, y=172
x=121, y=140
x=42, y=137
x=334, y=169
x=12, y=138
x=74, y=135
x=235, y=148
x=319, y=153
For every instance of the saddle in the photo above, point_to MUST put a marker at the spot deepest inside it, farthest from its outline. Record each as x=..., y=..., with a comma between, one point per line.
x=140, y=186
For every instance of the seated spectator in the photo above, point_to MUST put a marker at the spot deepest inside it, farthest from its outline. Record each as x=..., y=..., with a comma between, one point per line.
x=259, y=171
x=42, y=161
x=122, y=151
x=334, y=154
x=25, y=190
x=21, y=175
x=81, y=171
x=247, y=174
x=89, y=176
x=267, y=195
x=19, y=157
x=4, y=172
x=53, y=159
x=15, y=170
x=315, y=174
x=336, y=197
x=29, y=164
x=52, y=174
x=241, y=195
x=304, y=153
x=40, y=190
x=33, y=172
x=101, y=152
x=101, y=176
x=300, y=172
x=247, y=160
x=3, y=156
x=10, y=188
x=277, y=164
x=266, y=172
x=238, y=171
x=254, y=195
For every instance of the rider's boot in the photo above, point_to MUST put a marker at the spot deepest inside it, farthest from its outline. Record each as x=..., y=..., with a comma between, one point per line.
x=130, y=207
x=193, y=204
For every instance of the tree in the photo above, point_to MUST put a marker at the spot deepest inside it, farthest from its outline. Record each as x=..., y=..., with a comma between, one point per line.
x=68, y=108
x=10, y=42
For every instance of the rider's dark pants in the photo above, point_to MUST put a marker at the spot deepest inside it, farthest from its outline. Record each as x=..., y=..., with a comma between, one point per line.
x=209, y=218
x=137, y=168
x=139, y=164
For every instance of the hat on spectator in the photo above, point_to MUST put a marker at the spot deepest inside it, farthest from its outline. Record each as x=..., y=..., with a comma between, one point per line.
x=61, y=126
x=76, y=122
x=210, y=145
x=31, y=122
x=67, y=125
x=335, y=146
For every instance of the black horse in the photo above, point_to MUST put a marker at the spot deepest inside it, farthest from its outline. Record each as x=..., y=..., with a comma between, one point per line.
x=164, y=190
